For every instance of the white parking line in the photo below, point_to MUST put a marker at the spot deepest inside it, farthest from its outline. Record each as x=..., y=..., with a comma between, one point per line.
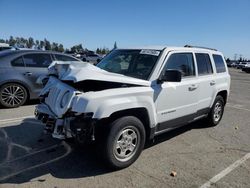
x=13, y=120
x=68, y=151
x=226, y=171
x=236, y=107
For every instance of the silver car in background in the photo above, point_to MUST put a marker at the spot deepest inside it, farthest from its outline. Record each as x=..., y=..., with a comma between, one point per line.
x=19, y=70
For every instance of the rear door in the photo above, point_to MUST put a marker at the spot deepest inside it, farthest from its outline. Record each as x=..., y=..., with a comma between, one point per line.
x=36, y=65
x=207, y=82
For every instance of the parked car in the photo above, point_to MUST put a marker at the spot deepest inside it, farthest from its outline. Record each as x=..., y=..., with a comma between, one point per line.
x=4, y=46
x=246, y=68
x=92, y=58
x=240, y=65
x=133, y=95
x=19, y=70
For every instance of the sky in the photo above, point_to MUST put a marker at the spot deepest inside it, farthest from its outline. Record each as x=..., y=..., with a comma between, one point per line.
x=220, y=24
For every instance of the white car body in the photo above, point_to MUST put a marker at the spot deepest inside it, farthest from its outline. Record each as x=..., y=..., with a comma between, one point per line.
x=192, y=98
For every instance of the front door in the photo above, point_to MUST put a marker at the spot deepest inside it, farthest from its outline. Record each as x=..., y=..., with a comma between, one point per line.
x=36, y=65
x=176, y=102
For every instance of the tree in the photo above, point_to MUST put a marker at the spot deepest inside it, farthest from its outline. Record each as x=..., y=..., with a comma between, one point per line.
x=30, y=42
x=47, y=44
x=60, y=48
x=41, y=44
x=2, y=40
x=228, y=60
x=12, y=41
x=37, y=44
x=77, y=48
x=98, y=51
x=115, y=45
x=54, y=47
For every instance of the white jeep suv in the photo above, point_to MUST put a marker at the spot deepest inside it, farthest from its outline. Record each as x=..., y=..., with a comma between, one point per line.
x=133, y=95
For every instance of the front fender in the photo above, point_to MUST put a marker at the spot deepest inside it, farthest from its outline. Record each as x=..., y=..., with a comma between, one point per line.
x=108, y=107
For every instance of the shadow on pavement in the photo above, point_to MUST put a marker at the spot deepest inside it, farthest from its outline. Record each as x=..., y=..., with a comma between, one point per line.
x=27, y=154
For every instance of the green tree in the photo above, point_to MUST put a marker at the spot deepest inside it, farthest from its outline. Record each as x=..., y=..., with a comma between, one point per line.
x=41, y=44
x=60, y=48
x=37, y=44
x=47, y=44
x=2, y=40
x=77, y=48
x=115, y=45
x=54, y=47
x=12, y=41
x=30, y=42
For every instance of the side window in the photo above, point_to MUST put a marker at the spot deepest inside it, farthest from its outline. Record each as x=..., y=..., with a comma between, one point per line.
x=183, y=62
x=18, y=62
x=64, y=58
x=204, y=64
x=219, y=64
x=37, y=60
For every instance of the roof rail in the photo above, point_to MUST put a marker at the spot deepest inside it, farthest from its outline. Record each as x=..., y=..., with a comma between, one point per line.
x=190, y=46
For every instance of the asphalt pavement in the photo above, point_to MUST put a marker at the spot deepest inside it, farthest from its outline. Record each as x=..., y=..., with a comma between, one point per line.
x=201, y=156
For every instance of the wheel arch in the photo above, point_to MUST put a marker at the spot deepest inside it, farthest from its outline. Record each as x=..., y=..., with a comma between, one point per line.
x=224, y=94
x=141, y=113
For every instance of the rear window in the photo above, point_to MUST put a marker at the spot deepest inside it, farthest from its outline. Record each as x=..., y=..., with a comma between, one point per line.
x=37, y=60
x=219, y=63
x=18, y=62
x=204, y=64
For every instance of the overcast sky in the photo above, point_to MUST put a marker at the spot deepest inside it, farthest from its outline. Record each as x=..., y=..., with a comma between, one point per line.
x=221, y=24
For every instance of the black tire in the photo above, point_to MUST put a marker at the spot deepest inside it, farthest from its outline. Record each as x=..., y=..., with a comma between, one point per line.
x=128, y=132
x=217, y=111
x=12, y=95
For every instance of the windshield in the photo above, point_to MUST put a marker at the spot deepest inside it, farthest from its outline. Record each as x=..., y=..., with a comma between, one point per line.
x=134, y=63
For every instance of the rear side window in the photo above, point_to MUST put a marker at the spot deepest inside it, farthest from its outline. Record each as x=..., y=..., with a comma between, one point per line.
x=18, y=62
x=204, y=64
x=64, y=58
x=37, y=60
x=183, y=62
x=219, y=64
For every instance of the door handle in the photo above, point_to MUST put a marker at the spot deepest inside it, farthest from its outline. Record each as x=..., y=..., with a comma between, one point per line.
x=192, y=87
x=28, y=74
x=212, y=83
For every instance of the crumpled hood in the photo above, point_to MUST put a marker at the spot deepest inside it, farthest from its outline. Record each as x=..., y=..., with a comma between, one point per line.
x=80, y=71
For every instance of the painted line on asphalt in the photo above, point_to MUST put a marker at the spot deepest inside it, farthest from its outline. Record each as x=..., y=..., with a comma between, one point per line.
x=239, y=108
x=68, y=151
x=225, y=171
x=29, y=154
x=13, y=120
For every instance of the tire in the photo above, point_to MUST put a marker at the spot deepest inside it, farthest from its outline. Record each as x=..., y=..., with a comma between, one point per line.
x=124, y=142
x=12, y=95
x=216, y=113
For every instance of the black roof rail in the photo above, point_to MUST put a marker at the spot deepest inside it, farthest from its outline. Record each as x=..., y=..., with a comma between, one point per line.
x=189, y=46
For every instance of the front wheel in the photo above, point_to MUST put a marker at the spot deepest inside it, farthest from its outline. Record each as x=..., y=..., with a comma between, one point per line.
x=124, y=142
x=217, y=111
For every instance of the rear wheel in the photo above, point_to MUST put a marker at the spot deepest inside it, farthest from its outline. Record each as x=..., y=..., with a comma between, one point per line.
x=217, y=111
x=12, y=95
x=124, y=142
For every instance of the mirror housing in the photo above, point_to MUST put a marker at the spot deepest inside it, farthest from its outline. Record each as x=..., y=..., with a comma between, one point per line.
x=170, y=76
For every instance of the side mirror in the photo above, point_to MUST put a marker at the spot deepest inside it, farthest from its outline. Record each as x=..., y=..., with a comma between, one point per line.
x=170, y=76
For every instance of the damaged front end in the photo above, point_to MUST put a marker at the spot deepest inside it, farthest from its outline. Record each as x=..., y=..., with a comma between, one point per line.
x=68, y=106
